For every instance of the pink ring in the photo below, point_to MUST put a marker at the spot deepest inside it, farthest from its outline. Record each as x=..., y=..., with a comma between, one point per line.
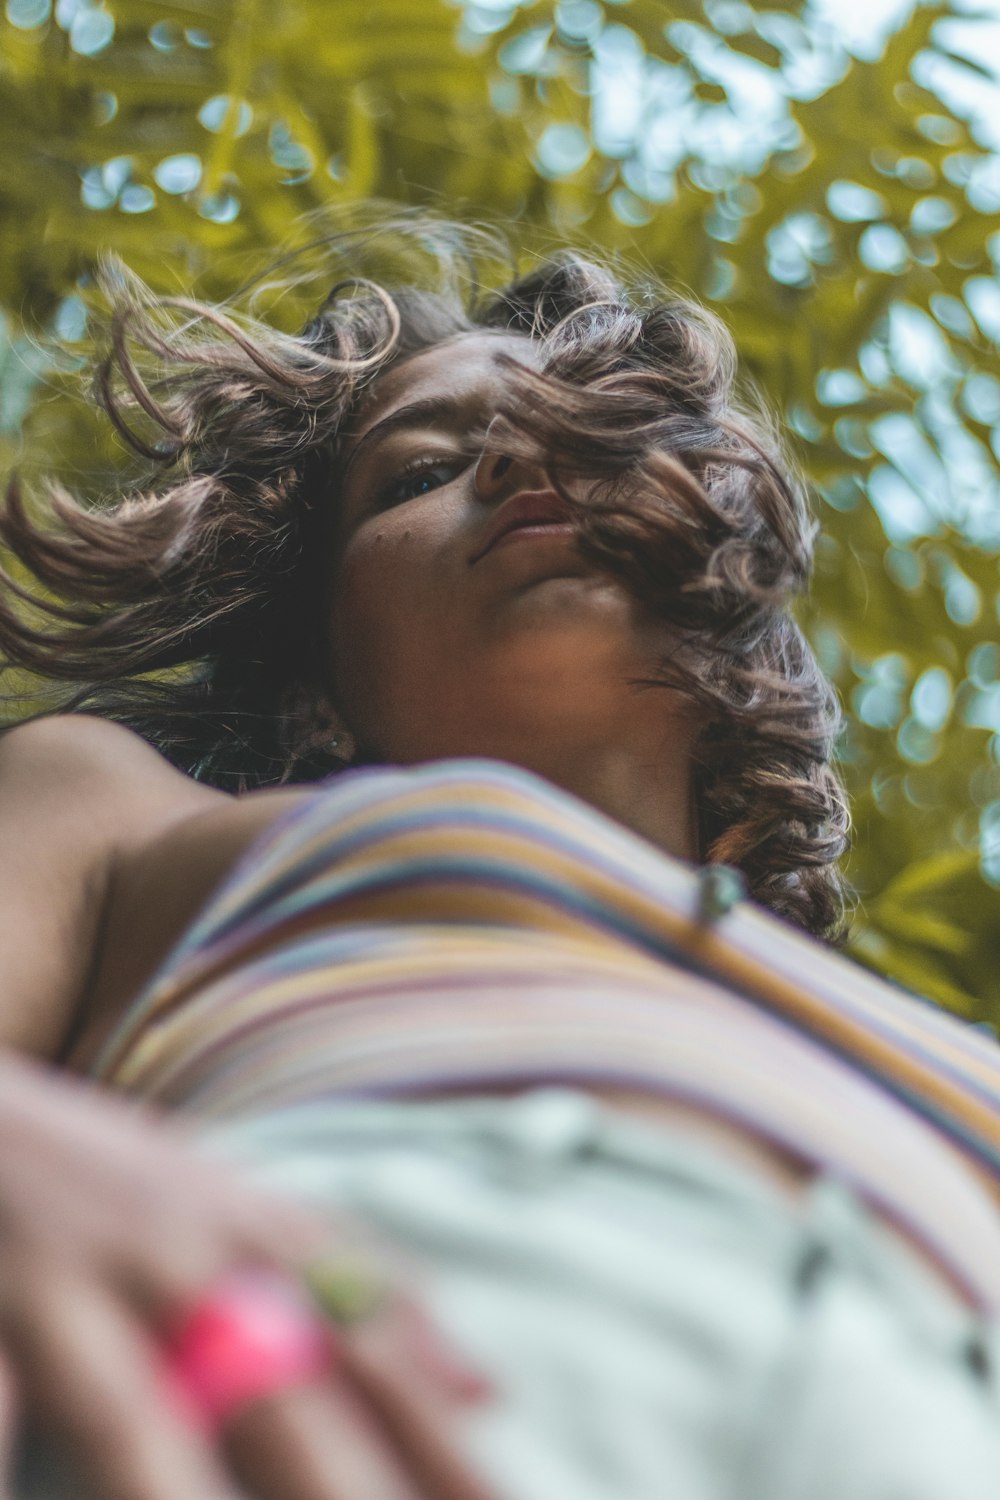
x=254, y=1334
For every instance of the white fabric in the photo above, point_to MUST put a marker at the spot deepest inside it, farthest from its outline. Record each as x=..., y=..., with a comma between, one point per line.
x=660, y=1324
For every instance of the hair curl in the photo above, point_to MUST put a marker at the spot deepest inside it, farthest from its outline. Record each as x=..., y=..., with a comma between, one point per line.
x=190, y=609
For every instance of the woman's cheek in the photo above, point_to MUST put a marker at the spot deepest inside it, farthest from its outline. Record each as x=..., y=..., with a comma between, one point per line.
x=365, y=585
x=384, y=622
x=376, y=568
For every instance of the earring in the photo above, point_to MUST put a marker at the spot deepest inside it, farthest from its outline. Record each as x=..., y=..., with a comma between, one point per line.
x=341, y=744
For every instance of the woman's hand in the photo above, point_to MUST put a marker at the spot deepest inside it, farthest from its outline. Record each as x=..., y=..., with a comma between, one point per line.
x=111, y=1228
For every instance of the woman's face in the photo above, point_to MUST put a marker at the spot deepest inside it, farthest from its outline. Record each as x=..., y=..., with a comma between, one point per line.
x=440, y=648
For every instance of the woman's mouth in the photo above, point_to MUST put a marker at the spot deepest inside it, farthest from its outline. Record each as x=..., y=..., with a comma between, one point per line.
x=540, y=530
x=532, y=515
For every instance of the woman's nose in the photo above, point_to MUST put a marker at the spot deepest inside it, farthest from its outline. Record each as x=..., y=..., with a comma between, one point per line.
x=498, y=474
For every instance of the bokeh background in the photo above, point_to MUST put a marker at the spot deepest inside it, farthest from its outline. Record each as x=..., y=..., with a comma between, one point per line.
x=826, y=175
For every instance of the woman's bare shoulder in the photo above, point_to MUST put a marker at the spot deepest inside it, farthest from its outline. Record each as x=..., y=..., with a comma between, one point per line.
x=108, y=852
x=69, y=755
x=159, y=884
x=74, y=790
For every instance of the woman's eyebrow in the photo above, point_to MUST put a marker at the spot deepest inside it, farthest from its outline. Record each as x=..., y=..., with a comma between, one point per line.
x=413, y=414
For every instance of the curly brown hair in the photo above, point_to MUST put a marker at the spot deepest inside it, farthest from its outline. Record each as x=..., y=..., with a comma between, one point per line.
x=190, y=609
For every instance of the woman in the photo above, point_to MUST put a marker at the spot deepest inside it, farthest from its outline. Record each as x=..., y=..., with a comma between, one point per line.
x=518, y=567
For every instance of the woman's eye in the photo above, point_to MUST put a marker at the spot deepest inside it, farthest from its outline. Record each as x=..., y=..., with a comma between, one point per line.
x=419, y=479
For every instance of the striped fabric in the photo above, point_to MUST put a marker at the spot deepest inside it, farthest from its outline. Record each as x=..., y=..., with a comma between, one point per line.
x=464, y=925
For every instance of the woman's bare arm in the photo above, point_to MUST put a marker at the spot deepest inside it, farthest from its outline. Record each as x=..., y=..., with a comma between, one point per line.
x=111, y=1224
x=76, y=794
x=107, y=853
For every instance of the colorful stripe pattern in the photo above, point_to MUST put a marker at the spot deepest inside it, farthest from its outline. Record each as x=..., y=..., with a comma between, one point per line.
x=465, y=925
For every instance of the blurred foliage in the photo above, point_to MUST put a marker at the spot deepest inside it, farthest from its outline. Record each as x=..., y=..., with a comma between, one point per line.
x=835, y=208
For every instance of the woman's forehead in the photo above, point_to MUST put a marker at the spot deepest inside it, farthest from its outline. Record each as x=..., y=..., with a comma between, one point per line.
x=466, y=367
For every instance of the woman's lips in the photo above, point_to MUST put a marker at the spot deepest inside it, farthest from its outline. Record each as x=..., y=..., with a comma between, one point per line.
x=537, y=513
x=536, y=530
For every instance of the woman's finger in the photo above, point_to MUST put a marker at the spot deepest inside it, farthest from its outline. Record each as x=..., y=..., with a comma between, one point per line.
x=400, y=1323
x=257, y=1353
x=414, y=1387
x=317, y=1442
x=91, y=1376
x=413, y=1404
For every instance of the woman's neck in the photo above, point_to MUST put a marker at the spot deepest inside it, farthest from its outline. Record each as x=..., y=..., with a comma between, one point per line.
x=646, y=788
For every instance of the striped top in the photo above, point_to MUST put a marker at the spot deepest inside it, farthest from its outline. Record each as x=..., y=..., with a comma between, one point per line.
x=465, y=925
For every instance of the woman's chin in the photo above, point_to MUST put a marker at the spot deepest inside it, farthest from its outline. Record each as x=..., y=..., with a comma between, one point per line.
x=570, y=600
